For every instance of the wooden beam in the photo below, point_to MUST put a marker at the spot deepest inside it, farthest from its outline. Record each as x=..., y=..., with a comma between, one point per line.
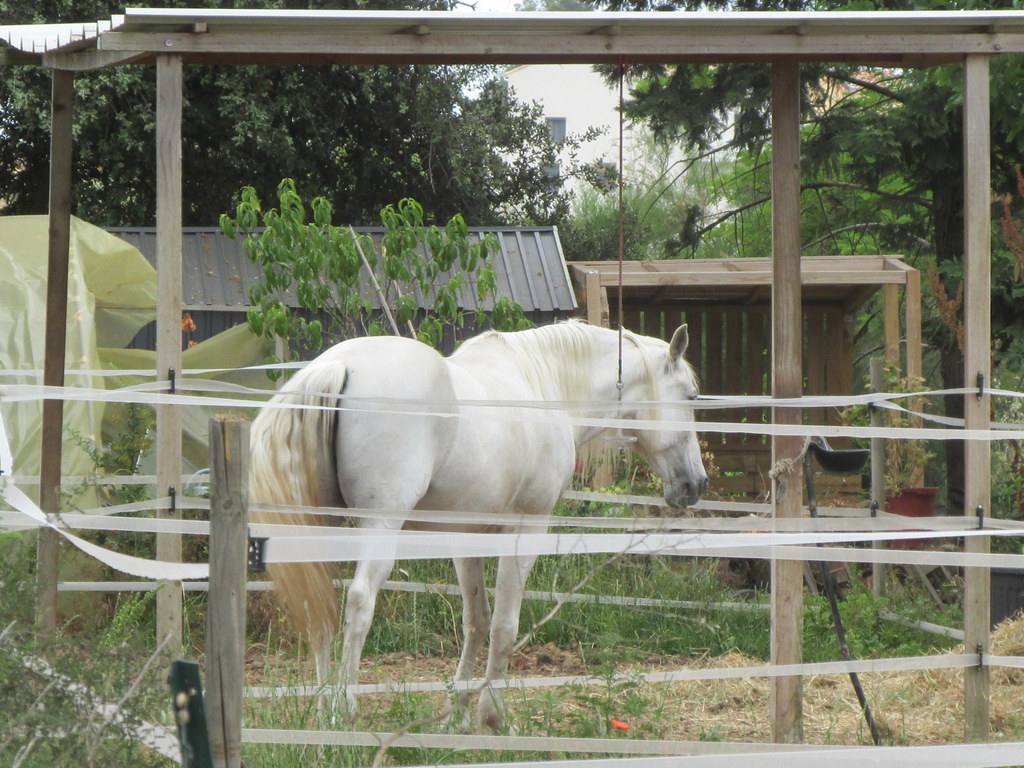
x=912, y=314
x=878, y=570
x=169, y=83
x=787, y=373
x=467, y=45
x=89, y=59
x=977, y=362
x=696, y=276
x=592, y=293
x=62, y=110
x=891, y=323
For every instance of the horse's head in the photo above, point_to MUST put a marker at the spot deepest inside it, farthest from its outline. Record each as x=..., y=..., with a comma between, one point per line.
x=675, y=454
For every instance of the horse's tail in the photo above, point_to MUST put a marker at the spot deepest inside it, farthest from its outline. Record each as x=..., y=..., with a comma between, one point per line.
x=292, y=463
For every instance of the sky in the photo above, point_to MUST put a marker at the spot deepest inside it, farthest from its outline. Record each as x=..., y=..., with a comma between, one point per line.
x=496, y=6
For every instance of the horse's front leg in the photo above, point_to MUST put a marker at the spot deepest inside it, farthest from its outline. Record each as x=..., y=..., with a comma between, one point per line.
x=508, y=600
x=476, y=620
x=360, y=603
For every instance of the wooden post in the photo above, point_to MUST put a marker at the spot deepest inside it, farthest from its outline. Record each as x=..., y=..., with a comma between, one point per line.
x=977, y=369
x=62, y=109
x=912, y=314
x=877, y=468
x=891, y=322
x=168, y=328
x=593, y=294
x=225, y=634
x=787, y=374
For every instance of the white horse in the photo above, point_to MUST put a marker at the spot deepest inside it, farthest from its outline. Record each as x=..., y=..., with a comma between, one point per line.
x=361, y=457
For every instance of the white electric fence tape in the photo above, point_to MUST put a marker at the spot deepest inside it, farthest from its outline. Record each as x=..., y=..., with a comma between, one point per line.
x=157, y=737
x=623, y=746
x=534, y=411
x=860, y=666
x=415, y=545
x=134, y=566
x=938, y=756
x=290, y=545
x=793, y=543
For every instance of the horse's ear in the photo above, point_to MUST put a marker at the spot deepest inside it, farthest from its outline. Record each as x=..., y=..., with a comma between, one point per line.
x=680, y=340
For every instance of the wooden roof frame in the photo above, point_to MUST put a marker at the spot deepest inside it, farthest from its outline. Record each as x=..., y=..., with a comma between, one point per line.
x=846, y=281
x=894, y=38
x=784, y=40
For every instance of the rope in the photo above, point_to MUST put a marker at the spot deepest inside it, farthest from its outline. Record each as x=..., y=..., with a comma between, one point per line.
x=785, y=467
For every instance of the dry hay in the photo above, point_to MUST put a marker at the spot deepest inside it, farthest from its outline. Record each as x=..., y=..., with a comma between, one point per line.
x=916, y=707
x=913, y=707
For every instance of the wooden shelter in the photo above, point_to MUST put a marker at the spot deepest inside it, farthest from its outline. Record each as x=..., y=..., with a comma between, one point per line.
x=727, y=305
x=173, y=38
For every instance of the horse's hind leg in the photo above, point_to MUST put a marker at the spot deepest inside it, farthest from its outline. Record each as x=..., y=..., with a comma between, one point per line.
x=359, y=606
x=508, y=600
x=476, y=620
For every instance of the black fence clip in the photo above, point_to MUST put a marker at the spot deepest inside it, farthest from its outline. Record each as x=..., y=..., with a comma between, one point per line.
x=981, y=384
x=256, y=553
x=171, y=375
x=980, y=512
x=981, y=656
x=173, y=493
x=874, y=508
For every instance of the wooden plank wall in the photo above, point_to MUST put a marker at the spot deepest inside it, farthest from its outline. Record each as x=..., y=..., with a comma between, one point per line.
x=731, y=349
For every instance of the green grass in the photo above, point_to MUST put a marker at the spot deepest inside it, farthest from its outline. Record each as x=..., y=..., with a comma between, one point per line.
x=41, y=725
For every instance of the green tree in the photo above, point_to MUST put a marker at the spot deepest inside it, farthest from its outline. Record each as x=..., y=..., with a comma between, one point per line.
x=662, y=196
x=881, y=157
x=452, y=137
x=324, y=267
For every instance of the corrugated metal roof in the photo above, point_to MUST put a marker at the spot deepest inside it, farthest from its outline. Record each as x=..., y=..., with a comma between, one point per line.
x=216, y=273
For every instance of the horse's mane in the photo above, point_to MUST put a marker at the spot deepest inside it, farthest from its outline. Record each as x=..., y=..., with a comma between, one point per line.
x=558, y=359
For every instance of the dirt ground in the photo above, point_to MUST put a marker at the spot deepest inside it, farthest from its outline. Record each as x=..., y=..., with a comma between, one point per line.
x=915, y=707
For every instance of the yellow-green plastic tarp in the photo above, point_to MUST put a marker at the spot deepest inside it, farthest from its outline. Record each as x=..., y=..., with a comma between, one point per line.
x=111, y=296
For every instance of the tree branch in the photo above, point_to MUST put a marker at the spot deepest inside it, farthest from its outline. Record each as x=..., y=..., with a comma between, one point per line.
x=815, y=185
x=855, y=227
x=923, y=202
x=865, y=84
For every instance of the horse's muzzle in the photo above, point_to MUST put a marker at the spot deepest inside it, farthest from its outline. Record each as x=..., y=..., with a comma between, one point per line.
x=685, y=493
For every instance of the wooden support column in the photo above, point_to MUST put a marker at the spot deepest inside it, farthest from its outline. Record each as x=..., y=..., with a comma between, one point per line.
x=225, y=636
x=62, y=109
x=912, y=314
x=891, y=322
x=787, y=381
x=977, y=356
x=169, y=86
x=594, y=293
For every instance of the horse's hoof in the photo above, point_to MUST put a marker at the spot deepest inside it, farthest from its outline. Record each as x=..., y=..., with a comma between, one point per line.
x=457, y=722
x=488, y=719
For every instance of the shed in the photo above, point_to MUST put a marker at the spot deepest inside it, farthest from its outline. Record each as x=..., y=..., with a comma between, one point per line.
x=727, y=305
x=216, y=275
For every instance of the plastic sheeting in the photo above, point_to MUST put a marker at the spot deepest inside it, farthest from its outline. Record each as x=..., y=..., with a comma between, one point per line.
x=111, y=296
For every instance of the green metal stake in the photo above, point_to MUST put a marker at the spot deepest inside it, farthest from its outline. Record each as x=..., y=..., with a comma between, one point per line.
x=190, y=714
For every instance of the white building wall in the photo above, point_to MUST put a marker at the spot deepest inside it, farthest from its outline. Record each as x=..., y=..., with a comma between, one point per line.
x=580, y=95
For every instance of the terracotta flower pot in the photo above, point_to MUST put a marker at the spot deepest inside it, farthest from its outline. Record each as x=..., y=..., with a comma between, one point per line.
x=911, y=502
